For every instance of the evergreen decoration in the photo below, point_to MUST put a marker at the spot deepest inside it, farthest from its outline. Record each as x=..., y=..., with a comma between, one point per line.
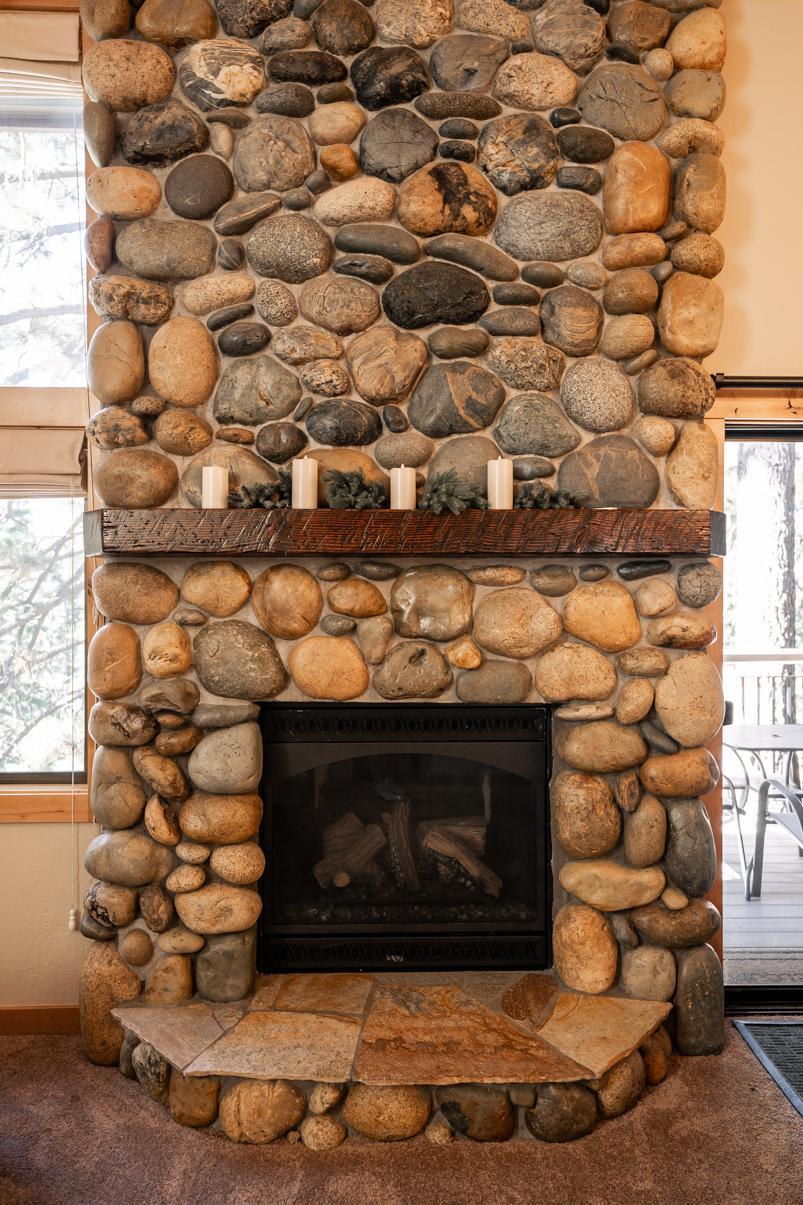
x=447, y=491
x=350, y=491
x=273, y=495
x=534, y=496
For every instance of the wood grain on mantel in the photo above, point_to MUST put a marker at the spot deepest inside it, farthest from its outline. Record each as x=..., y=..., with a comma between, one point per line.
x=502, y=533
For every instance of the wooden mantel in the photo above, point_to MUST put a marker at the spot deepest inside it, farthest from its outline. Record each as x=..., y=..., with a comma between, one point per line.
x=503, y=533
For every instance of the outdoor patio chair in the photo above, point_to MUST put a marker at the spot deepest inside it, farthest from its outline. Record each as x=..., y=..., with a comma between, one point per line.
x=789, y=818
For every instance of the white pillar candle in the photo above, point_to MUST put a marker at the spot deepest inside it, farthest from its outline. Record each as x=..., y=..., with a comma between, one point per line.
x=500, y=484
x=214, y=487
x=402, y=489
x=305, y=483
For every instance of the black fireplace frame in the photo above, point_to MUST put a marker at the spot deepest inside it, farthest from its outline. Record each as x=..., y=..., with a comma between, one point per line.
x=300, y=947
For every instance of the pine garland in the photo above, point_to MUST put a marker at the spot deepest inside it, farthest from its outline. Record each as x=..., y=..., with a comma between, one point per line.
x=534, y=496
x=350, y=491
x=447, y=491
x=273, y=495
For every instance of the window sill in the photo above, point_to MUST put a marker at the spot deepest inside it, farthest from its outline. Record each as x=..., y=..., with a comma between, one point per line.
x=28, y=804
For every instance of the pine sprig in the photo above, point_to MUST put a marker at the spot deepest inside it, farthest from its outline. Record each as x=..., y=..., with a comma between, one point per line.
x=447, y=491
x=534, y=496
x=272, y=495
x=350, y=491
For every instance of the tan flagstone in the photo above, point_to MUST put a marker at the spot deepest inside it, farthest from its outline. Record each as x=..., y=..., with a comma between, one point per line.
x=179, y=1032
x=267, y=989
x=601, y=1030
x=439, y=1035
x=342, y=994
x=283, y=1045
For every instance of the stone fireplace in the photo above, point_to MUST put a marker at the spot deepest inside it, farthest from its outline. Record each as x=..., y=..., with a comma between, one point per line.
x=403, y=814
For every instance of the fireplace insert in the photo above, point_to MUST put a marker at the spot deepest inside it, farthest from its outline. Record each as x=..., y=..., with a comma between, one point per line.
x=405, y=836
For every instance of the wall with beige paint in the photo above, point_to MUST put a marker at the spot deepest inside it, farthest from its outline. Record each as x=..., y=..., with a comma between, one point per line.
x=762, y=232
x=39, y=956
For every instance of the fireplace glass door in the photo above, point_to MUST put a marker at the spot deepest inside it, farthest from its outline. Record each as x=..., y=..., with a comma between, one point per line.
x=405, y=836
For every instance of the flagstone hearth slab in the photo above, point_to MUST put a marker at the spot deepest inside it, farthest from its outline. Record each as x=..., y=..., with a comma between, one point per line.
x=601, y=1030
x=440, y=1035
x=340, y=994
x=180, y=1033
x=283, y=1045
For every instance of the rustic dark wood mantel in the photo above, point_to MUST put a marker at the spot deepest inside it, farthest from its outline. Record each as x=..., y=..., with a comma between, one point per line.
x=502, y=533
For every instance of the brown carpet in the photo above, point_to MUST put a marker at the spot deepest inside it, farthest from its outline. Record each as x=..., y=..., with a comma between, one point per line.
x=717, y=1132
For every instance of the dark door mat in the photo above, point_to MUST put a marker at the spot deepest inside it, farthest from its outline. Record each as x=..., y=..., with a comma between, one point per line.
x=778, y=1045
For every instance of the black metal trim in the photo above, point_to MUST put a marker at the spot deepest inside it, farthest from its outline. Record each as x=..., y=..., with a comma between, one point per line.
x=763, y=1000
x=723, y=381
x=49, y=778
x=791, y=432
x=421, y=722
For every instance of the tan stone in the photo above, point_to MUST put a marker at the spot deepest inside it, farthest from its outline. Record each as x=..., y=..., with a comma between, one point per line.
x=166, y=650
x=162, y=774
x=692, y=467
x=627, y=790
x=180, y=941
x=643, y=662
x=495, y=17
x=114, y=665
x=287, y=601
x=182, y=432
x=649, y=973
x=413, y=24
x=161, y=822
x=220, y=819
x=110, y=904
x=601, y=746
x=627, y=336
x=635, y=196
x=105, y=982
x=619, y=1089
x=689, y=699
x=497, y=575
x=116, y=362
x=609, y=886
x=686, y=631
x=170, y=981
x=574, y=671
x=357, y=598
x=324, y=1097
x=123, y=192
x=385, y=362
x=700, y=196
x=212, y=292
x=656, y=435
x=131, y=478
x=366, y=199
x=584, y=949
x=687, y=773
x=700, y=253
x=342, y=304
x=192, y=852
x=185, y=878
x=218, y=908
x=464, y=653
x=656, y=1057
x=339, y=161
x=516, y=622
x=584, y=711
x=338, y=122
x=182, y=362
x=674, y=899
x=322, y=1133
x=603, y=614
x=587, y=821
x=634, y=701
x=446, y=198
x=698, y=42
x=136, y=948
x=535, y=81
x=690, y=135
x=433, y=601
x=328, y=667
x=387, y=1114
x=116, y=795
x=374, y=636
x=655, y=596
x=220, y=588
x=645, y=832
x=128, y=857
x=633, y=251
x=126, y=75
x=240, y=864
x=260, y=1110
x=192, y=1099
x=690, y=315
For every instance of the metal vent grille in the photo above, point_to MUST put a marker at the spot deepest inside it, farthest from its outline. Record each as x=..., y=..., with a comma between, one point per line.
x=366, y=722
x=403, y=953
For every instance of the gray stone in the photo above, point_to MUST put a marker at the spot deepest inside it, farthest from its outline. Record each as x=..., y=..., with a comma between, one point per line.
x=306, y=67
x=450, y=342
x=689, y=926
x=286, y=100
x=339, y=422
x=100, y=132
x=696, y=94
x=290, y=246
x=127, y=857
x=198, y=186
x=455, y=398
x=514, y=320
x=519, y=152
x=471, y=253
x=337, y=625
x=289, y=33
x=224, y=715
x=228, y=761
x=495, y=682
x=583, y=144
x=516, y=294
x=433, y=601
x=373, y=238
x=438, y=105
x=465, y=62
x=162, y=133
x=562, y=1112
x=275, y=302
x=699, y=584
x=468, y=455
x=243, y=338
x=635, y=27
x=413, y=669
x=676, y=388
x=699, y=1002
x=526, y=363
x=434, y=292
x=247, y=18
x=553, y=580
x=551, y=226
x=571, y=319
x=534, y=423
x=244, y=212
x=610, y=471
x=256, y=391
x=152, y=1070
x=221, y=72
x=280, y=442
x=690, y=858
x=274, y=152
x=238, y=660
x=374, y=268
x=530, y=468
x=378, y=571
x=224, y=969
x=582, y=179
x=624, y=100
x=403, y=448
x=571, y=30
x=176, y=694
x=396, y=143
x=160, y=250
x=597, y=395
